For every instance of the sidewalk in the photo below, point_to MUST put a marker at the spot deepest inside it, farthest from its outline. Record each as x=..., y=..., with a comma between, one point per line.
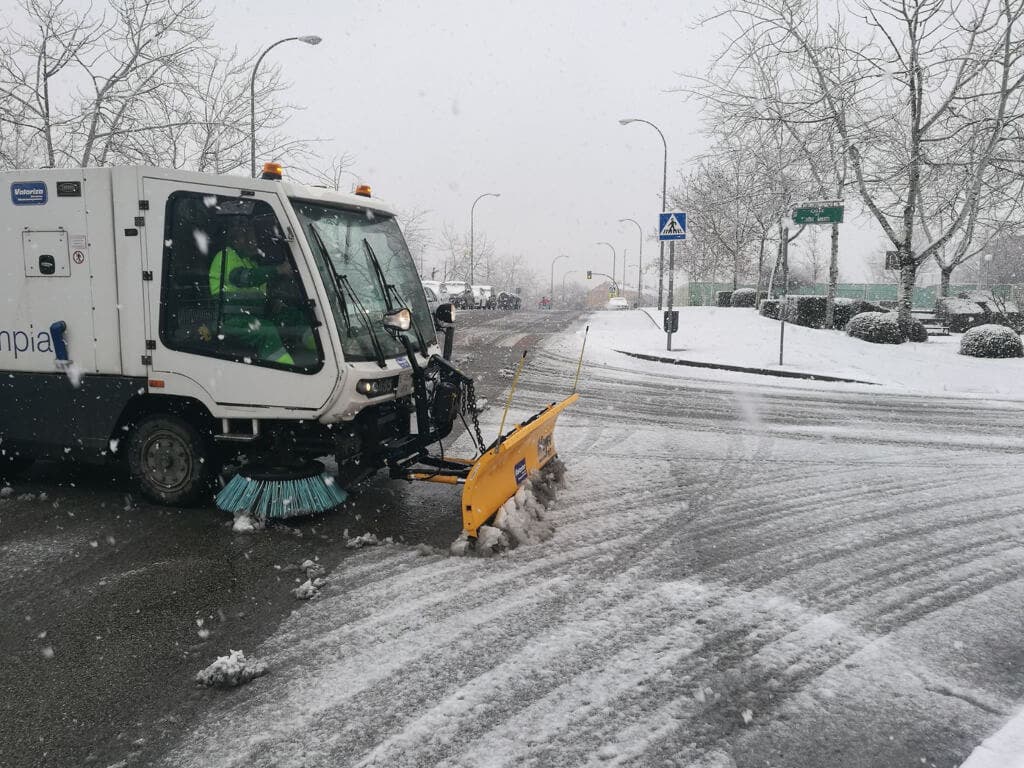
x=739, y=341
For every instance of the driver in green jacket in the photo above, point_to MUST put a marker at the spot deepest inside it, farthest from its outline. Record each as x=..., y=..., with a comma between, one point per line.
x=239, y=279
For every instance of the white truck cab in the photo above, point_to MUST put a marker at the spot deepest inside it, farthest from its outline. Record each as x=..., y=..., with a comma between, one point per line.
x=181, y=319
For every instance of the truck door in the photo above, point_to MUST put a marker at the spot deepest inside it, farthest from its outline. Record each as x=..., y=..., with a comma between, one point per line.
x=229, y=298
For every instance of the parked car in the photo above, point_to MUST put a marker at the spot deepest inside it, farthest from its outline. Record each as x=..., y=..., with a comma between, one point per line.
x=617, y=303
x=482, y=295
x=508, y=301
x=433, y=300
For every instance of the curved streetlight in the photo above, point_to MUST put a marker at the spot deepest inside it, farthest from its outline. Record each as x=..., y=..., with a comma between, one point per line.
x=614, y=256
x=639, y=292
x=552, y=294
x=570, y=272
x=308, y=40
x=472, y=208
x=664, y=186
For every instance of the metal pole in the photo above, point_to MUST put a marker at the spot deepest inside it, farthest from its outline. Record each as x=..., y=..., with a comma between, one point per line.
x=613, y=262
x=552, y=294
x=784, y=305
x=570, y=272
x=472, y=210
x=671, y=272
x=664, y=197
x=639, y=277
x=309, y=40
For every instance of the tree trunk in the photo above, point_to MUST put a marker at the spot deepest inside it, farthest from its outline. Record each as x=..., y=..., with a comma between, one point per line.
x=905, y=295
x=947, y=273
x=833, y=278
x=760, y=271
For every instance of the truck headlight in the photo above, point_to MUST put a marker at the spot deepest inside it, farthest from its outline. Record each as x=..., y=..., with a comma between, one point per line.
x=377, y=387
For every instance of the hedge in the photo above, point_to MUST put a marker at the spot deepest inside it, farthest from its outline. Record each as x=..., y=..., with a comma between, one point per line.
x=743, y=297
x=961, y=314
x=808, y=311
x=769, y=308
x=845, y=309
x=876, y=327
x=918, y=333
x=991, y=341
x=723, y=299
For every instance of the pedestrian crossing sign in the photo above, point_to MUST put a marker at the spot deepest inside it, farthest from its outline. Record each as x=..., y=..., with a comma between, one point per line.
x=672, y=226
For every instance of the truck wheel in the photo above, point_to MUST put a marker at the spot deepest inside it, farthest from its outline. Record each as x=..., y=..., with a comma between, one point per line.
x=170, y=460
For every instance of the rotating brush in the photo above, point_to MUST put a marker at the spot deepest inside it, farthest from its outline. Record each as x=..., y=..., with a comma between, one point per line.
x=268, y=491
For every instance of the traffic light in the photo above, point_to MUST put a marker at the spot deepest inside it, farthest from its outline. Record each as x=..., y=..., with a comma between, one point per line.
x=590, y=275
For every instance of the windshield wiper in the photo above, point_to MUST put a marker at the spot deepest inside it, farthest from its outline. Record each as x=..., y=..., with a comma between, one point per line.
x=346, y=287
x=390, y=291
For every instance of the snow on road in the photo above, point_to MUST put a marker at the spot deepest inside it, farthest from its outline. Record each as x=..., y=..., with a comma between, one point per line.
x=740, y=575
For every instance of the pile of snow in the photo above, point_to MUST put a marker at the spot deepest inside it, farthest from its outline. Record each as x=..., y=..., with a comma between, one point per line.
x=366, y=540
x=246, y=523
x=230, y=671
x=309, y=588
x=520, y=520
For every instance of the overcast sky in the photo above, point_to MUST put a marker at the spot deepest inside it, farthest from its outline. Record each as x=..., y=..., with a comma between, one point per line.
x=442, y=101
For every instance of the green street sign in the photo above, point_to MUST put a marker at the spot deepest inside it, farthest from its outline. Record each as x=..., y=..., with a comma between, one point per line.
x=827, y=212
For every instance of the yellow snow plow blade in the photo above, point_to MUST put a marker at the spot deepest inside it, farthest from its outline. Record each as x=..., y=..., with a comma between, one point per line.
x=496, y=476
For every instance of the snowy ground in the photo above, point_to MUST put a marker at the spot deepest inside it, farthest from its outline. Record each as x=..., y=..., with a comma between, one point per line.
x=741, y=574
x=742, y=337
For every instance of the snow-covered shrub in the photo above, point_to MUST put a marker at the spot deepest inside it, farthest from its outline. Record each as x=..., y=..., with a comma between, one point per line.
x=808, y=311
x=876, y=327
x=723, y=299
x=961, y=314
x=769, y=308
x=991, y=341
x=918, y=333
x=743, y=297
x=845, y=309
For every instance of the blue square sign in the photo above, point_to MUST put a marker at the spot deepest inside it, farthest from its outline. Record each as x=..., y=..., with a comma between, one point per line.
x=672, y=226
x=28, y=193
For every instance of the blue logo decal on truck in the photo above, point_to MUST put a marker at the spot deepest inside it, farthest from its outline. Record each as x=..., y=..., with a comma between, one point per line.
x=28, y=193
x=520, y=470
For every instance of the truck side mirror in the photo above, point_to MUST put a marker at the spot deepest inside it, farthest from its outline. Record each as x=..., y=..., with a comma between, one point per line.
x=445, y=313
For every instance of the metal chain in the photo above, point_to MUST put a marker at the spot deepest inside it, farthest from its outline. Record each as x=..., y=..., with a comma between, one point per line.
x=471, y=405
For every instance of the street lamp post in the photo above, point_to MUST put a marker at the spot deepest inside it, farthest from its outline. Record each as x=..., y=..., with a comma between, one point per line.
x=639, y=277
x=472, y=208
x=664, y=187
x=308, y=40
x=570, y=272
x=552, y=294
x=613, y=261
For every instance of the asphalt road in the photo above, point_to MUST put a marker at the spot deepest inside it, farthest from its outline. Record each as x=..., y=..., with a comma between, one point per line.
x=743, y=575
x=104, y=597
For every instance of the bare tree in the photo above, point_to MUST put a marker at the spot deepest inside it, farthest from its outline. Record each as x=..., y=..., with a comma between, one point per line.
x=142, y=82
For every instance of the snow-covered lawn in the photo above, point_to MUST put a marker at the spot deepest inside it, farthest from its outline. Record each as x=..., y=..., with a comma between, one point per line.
x=742, y=337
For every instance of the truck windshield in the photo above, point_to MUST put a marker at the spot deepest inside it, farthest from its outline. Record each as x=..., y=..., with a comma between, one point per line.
x=345, y=233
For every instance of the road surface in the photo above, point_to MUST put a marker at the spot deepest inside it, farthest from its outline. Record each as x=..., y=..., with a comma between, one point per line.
x=742, y=574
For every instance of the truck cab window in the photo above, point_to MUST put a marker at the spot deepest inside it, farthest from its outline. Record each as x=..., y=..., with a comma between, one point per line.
x=230, y=288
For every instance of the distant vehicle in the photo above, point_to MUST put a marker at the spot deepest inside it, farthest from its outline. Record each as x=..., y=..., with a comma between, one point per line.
x=617, y=303
x=434, y=285
x=482, y=294
x=508, y=301
x=452, y=290
x=433, y=300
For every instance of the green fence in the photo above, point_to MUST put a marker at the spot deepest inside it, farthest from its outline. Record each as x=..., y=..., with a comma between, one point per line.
x=703, y=294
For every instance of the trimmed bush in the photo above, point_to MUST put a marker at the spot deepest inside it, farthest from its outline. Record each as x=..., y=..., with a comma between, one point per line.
x=961, y=314
x=808, y=311
x=918, y=333
x=876, y=327
x=723, y=299
x=845, y=309
x=769, y=308
x=743, y=297
x=991, y=341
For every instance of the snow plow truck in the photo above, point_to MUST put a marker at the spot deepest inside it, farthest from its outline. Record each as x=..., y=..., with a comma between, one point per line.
x=179, y=321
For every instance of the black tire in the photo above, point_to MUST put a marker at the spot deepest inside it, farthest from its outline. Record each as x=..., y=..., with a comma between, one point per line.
x=171, y=462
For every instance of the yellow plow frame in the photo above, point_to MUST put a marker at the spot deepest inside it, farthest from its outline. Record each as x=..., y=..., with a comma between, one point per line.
x=494, y=477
